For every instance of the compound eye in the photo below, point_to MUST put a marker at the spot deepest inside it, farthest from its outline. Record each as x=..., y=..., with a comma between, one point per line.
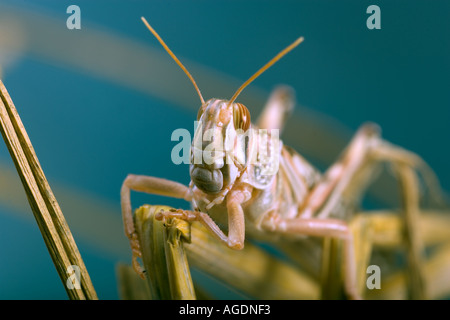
x=241, y=117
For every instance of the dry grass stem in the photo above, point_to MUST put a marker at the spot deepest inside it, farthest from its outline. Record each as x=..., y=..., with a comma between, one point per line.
x=51, y=222
x=259, y=275
x=167, y=270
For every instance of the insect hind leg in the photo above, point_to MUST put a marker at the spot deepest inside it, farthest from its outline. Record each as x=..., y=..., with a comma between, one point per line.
x=277, y=109
x=406, y=165
x=332, y=228
x=365, y=151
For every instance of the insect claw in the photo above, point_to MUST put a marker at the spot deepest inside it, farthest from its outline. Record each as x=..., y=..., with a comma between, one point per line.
x=160, y=216
x=217, y=200
x=138, y=268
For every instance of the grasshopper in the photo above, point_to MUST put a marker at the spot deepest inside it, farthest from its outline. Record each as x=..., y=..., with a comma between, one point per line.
x=233, y=189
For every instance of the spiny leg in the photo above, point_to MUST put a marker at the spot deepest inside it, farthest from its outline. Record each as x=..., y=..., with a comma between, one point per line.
x=326, y=195
x=349, y=175
x=352, y=170
x=149, y=185
x=364, y=151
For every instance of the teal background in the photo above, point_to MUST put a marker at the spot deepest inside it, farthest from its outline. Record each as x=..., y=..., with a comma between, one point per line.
x=90, y=132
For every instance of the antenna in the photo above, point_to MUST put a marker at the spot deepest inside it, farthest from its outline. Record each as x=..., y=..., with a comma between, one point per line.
x=173, y=57
x=266, y=66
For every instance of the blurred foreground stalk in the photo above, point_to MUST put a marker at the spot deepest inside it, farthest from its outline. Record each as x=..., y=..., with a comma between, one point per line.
x=167, y=248
x=164, y=257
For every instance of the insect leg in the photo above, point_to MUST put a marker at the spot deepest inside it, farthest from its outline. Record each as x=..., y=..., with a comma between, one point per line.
x=150, y=185
x=348, y=176
x=326, y=195
x=386, y=229
x=411, y=214
x=333, y=228
x=236, y=221
x=407, y=165
x=277, y=110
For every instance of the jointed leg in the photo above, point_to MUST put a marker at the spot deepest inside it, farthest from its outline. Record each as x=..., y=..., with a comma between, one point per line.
x=323, y=228
x=326, y=194
x=414, y=244
x=149, y=185
x=277, y=110
x=236, y=221
x=338, y=184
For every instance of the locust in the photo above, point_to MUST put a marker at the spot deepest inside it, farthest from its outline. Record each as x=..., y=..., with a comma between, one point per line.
x=239, y=193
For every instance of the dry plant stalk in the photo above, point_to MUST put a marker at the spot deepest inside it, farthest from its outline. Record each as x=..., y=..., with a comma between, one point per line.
x=51, y=221
x=131, y=286
x=251, y=271
x=259, y=275
x=167, y=270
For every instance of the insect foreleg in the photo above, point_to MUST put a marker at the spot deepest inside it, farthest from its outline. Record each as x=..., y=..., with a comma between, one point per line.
x=236, y=220
x=150, y=185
